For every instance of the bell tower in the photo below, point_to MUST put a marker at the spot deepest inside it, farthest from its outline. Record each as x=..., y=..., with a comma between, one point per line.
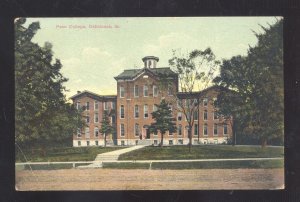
x=150, y=61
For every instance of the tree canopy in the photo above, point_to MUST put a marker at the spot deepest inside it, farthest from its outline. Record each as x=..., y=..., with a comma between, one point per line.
x=163, y=120
x=42, y=114
x=257, y=82
x=106, y=127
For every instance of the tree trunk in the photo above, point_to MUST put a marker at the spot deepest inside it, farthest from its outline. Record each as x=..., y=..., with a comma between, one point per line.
x=233, y=135
x=104, y=139
x=162, y=140
x=264, y=142
x=190, y=138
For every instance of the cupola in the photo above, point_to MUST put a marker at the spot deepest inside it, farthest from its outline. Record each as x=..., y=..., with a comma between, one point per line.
x=150, y=61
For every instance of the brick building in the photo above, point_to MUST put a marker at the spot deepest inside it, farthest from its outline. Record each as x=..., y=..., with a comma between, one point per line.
x=93, y=107
x=138, y=90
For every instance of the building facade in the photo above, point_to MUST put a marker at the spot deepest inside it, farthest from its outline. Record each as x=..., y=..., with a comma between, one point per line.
x=93, y=107
x=138, y=92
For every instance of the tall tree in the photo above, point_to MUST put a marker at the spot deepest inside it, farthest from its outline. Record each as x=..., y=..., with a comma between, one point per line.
x=163, y=120
x=106, y=127
x=195, y=73
x=41, y=112
x=257, y=79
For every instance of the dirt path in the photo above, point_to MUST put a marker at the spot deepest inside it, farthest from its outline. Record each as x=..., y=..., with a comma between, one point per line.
x=116, y=179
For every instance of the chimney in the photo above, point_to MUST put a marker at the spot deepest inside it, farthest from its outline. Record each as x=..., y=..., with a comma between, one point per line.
x=150, y=61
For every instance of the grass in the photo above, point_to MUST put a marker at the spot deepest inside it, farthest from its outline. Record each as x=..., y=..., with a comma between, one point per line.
x=63, y=154
x=202, y=152
x=249, y=164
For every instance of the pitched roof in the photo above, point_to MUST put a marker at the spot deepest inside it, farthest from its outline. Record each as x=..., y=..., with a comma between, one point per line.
x=202, y=92
x=131, y=73
x=93, y=95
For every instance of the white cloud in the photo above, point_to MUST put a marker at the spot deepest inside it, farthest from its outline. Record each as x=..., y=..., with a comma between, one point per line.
x=92, y=54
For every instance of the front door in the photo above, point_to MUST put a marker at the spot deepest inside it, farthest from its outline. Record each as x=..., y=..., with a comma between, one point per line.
x=147, y=133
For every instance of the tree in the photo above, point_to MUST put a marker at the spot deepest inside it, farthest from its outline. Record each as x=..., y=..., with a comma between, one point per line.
x=163, y=120
x=106, y=127
x=257, y=80
x=42, y=115
x=195, y=73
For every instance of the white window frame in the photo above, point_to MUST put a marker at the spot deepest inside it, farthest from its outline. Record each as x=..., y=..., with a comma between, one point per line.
x=96, y=143
x=144, y=90
x=179, y=113
x=87, y=132
x=225, y=134
x=96, y=118
x=88, y=120
x=196, y=124
x=179, y=130
x=136, y=91
x=205, y=102
x=146, y=107
x=205, y=126
x=205, y=112
x=87, y=106
x=105, y=105
x=87, y=143
x=154, y=109
x=113, y=105
x=138, y=127
x=122, y=106
x=122, y=89
x=136, y=112
x=215, y=127
x=78, y=105
x=96, y=132
x=79, y=133
x=155, y=94
x=96, y=103
x=122, y=124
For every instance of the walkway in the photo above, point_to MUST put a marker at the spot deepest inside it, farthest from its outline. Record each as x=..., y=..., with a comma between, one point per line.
x=110, y=156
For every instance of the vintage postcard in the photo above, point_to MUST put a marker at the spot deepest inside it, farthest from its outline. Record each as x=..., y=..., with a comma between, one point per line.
x=156, y=103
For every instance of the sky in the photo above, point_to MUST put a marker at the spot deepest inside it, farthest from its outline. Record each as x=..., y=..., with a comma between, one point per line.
x=95, y=50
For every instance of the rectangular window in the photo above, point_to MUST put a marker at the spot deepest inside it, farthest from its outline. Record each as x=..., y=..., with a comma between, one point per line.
x=195, y=115
x=136, y=111
x=196, y=129
x=122, y=142
x=145, y=91
x=105, y=105
x=78, y=105
x=205, y=129
x=225, y=131
x=96, y=118
x=96, y=143
x=215, y=129
x=96, y=132
x=180, y=141
x=136, y=91
x=113, y=105
x=215, y=115
x=87, y=132
x=87, y=106
x=146, y=111
x=122, y=130
x=205, y=141
x=122, y=112
x=87, y=143
x=205, y=101
x=78, y=133
x=205, y=115
x=122, y=92
x=170, y=90
x=79, y=143
x=87, y=118
x=154, y=108
x=179, y=129
x=215, y=141
x=179, y=116
x=113, y=119
x=155, y=91
x=136, y=129
x=170, y=142
x=155, y=142
x=187, y=102
x=96, y=105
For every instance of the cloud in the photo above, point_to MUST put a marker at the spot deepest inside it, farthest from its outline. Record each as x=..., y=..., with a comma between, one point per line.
x=169, y=42
x=92, y=54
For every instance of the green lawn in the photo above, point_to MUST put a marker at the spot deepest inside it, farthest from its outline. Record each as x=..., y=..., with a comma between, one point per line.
x=202, y=152
x=63, y=154
x=249, y=164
